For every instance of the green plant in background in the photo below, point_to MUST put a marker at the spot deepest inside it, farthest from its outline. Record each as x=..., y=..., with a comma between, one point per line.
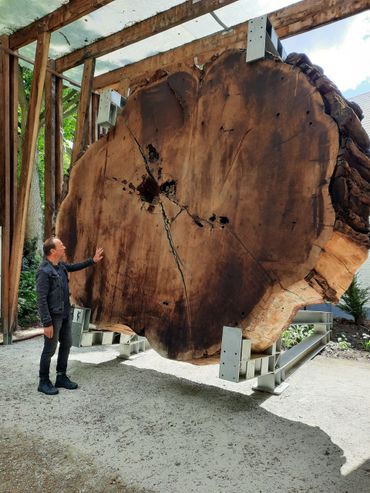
x=354, y=300
x=344, y=345
x=296, y=334
x=366, y=345
x=27, y=304
x=27, y=301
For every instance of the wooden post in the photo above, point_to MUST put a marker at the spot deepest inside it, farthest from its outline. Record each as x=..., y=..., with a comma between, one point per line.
x=58, y=141
x=80, y=141
x=5, y=184
x=94, y=116
x=28, y=157
x=49, y=182
x=13, y=87
x=89, y=124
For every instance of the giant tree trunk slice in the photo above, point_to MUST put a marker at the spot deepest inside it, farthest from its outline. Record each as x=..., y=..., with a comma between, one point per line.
x=228, y=196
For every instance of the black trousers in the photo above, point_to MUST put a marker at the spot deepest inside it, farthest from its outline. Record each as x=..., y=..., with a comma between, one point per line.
x=63, y=334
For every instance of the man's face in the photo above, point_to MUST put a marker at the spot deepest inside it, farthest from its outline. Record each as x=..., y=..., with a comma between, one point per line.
x=59, y=249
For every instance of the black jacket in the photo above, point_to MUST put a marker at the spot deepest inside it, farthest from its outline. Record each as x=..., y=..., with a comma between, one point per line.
x=49, y=288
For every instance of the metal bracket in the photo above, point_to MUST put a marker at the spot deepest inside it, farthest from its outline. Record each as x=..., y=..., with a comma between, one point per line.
x=273, y=366
x=262, y=38
x=80, y=324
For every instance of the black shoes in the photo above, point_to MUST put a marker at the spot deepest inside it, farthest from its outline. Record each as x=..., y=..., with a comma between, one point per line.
x=46, y=387
x=65, y=382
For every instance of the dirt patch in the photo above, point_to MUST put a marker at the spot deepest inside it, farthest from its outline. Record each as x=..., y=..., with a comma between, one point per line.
x=347, y=340
x=32, y=464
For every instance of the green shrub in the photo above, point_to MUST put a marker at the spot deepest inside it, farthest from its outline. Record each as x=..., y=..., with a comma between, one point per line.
x=296, y=334
x=344, y=345
x=354, y=300
x=27, y=299
x=366, y=345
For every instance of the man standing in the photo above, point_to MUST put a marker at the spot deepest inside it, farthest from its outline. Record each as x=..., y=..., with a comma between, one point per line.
x=54, y=310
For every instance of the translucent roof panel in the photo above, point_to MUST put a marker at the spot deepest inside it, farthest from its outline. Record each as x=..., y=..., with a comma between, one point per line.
x=15, y=14
x=101, y=23
x=243, y=10
x=120, y=14
x=172, y=38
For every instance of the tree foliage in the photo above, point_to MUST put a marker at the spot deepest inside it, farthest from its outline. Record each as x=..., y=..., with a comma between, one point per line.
x=27, y=303
x=354, y=301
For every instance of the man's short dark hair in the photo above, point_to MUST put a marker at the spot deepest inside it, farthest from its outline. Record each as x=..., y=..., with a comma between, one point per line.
x=48, y=245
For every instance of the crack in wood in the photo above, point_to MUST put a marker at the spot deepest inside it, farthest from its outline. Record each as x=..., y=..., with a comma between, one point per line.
x=162, y=190
x=237, y=152
x=146, y=164
x=178, y=99
x=177, y=215
x=179, y=264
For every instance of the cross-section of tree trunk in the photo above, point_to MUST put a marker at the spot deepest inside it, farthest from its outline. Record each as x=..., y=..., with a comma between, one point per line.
x=228, y=196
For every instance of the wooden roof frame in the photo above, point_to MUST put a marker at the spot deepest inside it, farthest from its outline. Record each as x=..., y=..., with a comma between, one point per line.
x=158, y=23
x=294, y=19
x=287, y=21
x=67, y=13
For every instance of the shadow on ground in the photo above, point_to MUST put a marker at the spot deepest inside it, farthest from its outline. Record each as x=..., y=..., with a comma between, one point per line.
x=135, y=430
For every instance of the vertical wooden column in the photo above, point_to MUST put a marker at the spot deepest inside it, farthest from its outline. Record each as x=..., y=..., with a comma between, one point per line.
x=94, y=116
x=28, y=157
x=58, y=141
x=5, y=186
x=14, y=99
x=89, y=124
x=80, y=142
x=50, y=165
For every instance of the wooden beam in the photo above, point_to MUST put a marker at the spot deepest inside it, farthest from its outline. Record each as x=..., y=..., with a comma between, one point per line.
x=67, y=13
x=153, y=25
x=5, y=184
x=50, y=130
x=28, y=157
x=32, y=62
x=58, y=141
x=14, y=97
x=80, y=141
x=198, y=51
x=311, y=14
x=288, y=21
x=94, y=115
x=89, y=124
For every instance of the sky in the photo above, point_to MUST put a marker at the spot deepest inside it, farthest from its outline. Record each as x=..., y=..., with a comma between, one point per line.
x=342, y=49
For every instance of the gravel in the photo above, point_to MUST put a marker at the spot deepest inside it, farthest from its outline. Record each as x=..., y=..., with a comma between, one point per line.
x=154, y=425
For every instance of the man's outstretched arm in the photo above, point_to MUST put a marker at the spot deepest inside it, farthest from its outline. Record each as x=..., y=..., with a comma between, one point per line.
x=87, y=263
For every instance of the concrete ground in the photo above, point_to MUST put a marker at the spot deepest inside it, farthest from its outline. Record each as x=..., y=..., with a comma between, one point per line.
x=154, y=425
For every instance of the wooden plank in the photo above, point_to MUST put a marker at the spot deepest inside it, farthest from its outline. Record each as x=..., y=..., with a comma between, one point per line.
x=311, y=14
x=94, y=115
x=58, y=141
x=153, y=25
x=89, y=123
x=200, y=51
x=13, y=86
x=28, y=157
x=80, y=141
x=288, y=21
x=5, y=182
x=49, y=182
x=67, y=13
